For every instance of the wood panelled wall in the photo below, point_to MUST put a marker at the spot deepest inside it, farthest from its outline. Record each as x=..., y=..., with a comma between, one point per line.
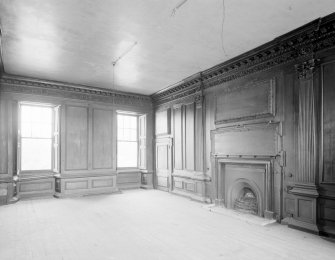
x=274, y=104
x=86, y=139
x=180, y=149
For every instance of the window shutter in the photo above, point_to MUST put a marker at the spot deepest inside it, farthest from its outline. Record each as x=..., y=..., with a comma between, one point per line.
x=55, y=144
x=142, y=141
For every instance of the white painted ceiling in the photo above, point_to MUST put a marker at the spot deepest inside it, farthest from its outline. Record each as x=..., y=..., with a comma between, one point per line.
x=76, y=41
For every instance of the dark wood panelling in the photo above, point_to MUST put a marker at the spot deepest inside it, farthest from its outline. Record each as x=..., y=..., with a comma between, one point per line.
x=84, y=185
x=199, y=148
x=163, y=122
x=3, y=137
x=162, y=157
x=76, y=185
x=129, y=180
x=248, y=140
x=102, y=139
x=246, y=102
x=30, y=187
x=189, y=136
x=178, y=140
x=76, y=138
x=329, y=122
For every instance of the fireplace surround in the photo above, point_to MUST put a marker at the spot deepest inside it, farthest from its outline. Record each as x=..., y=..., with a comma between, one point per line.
x=234, y=175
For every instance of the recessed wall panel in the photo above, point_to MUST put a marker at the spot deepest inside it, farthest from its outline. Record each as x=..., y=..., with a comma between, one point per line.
x=102, y=139
x=76, y=138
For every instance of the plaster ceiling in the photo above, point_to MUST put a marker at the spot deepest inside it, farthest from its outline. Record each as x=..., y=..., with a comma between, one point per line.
x=76, y=41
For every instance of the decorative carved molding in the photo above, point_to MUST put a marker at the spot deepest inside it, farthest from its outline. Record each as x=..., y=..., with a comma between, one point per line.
x=47, y=88
x=305, y=69
x=313, y=37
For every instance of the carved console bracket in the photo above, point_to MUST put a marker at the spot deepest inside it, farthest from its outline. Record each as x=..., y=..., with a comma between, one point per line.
x=306, y=69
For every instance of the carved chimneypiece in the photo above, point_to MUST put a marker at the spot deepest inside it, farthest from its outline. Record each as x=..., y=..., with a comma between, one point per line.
x=234, y=176
x=243, y=159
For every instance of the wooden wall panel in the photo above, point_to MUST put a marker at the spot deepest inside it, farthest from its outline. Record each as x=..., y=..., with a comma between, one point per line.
x=189, y=136
x=178, y=140
x=3, y=137
x=329, y=122
x=76, y=138
x=246, y=102
x=163, y=122
x=199, y=148
x=246, y=141
x=102, y=139
x=162, y=157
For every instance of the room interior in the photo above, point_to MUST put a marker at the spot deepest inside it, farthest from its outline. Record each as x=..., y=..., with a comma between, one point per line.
x=227, y=103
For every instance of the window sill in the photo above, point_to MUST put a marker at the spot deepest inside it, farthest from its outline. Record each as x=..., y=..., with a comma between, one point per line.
x=124, y=170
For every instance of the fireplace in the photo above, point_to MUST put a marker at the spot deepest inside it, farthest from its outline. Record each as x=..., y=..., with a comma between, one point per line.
x=245, y=185
x=246, y=201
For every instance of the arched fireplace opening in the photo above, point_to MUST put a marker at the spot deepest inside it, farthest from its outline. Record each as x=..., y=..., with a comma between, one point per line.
x=246, y=202
x=245, y=196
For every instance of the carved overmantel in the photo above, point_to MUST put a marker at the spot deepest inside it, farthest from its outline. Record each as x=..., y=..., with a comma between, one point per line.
x=305, y=188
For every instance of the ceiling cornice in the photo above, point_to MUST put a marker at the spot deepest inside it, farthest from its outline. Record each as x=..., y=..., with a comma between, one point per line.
x=302, y=42
x=13, y=83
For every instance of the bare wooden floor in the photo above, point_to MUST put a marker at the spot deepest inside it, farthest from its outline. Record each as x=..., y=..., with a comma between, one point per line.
x=147, y=225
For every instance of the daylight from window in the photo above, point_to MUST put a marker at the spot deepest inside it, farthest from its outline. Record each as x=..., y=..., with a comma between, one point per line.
x=127, y=141
x=36, y=137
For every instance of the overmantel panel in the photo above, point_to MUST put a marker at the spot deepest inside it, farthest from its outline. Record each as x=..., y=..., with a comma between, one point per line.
x=253, y=139
x=245, y=102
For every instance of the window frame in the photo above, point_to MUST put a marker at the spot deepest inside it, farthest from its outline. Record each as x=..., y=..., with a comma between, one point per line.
x=55, y=153
x=126, y=113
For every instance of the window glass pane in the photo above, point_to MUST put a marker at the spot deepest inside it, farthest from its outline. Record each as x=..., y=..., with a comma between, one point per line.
x=25, y=129
x=127, y=147
x=127, y=154
x=35, y=154
x=36, y=121
x=36, y=137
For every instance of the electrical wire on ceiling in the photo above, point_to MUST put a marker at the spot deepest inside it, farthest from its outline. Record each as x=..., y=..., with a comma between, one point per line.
x=120, y=57
x=174, y=10
x=222, y=27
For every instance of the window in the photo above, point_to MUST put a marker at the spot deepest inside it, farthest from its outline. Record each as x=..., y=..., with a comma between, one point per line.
x=127, y=140
x=38, y=138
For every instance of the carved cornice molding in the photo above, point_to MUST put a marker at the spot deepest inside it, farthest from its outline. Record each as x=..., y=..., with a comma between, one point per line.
x=180, y=95
x=306, y=69
x=305, y=41
x=53, y=89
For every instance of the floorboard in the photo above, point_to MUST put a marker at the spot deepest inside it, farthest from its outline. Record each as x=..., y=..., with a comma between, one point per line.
x=144, y=224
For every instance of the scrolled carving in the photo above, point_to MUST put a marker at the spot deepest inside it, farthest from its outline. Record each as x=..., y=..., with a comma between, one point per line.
x=305, y=69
